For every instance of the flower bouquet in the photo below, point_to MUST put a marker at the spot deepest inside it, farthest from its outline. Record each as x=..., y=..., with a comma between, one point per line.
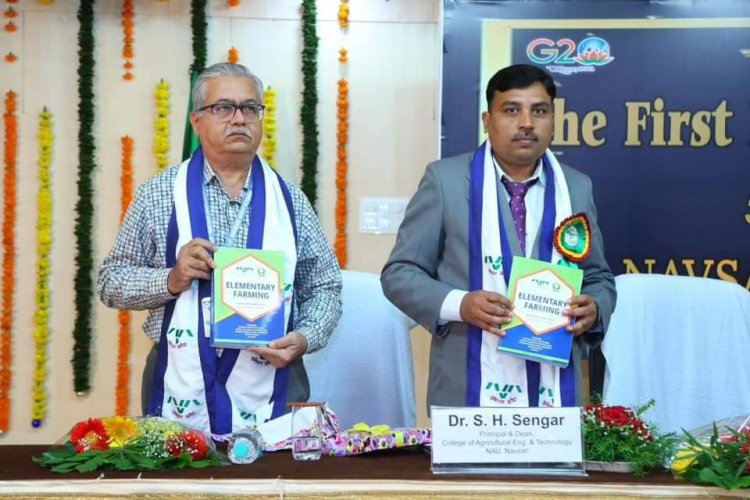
x=716, y=454
x=124, y=443
x=613, y=434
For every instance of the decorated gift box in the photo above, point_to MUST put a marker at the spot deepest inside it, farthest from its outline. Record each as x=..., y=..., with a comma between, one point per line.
x=363, y=439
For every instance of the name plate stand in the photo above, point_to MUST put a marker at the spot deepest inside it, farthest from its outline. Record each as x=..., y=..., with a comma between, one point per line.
x=543, y=441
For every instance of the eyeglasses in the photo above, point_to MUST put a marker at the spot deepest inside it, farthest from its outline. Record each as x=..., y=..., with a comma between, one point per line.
x=224, y=111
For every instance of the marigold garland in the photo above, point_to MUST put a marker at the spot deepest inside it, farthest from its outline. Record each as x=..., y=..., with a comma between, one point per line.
x=161, y=125
x=233, y=56
x=11, y=57
x=269, y=126
x=342, y=138
x=83, y=281
x=233, y=3
x=11, y=27
x=309, y=109
x=43, y=247
x=344, y=14
x=127, y=37
x=198, y=28
x=10, y=13
x=122, y=390
x=9, y=257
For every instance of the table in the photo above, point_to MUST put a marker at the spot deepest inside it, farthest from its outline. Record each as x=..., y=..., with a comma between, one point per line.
x=403, y=473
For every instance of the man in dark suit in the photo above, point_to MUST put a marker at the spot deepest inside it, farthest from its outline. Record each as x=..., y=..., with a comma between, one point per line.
x=447, y=269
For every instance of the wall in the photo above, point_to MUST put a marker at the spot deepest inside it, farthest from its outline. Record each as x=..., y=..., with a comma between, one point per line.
x=394, y=53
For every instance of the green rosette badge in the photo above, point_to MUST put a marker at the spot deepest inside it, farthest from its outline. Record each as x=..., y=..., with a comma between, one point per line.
x=573, y=238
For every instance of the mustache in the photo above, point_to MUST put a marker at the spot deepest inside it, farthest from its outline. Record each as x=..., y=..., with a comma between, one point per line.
x=243, y=131
x=525, y=136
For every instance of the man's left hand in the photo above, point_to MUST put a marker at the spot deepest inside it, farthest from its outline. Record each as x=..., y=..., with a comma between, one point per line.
x=584, y=309
x=281, y=352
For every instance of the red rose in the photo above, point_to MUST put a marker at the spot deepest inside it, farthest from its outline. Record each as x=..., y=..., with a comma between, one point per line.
x=191, y=442
x=196, y=444
x=615, y=416
x=593, y=407
x=174, y=445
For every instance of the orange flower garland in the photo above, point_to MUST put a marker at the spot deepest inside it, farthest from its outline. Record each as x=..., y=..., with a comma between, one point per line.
x=11, y=57
x=43, y=247
x=9, y=257
x=122, y=391
x=11, y=27
x=339, y=244
x=234, y=56
x=233, y=3
x=10, y=13
x=127, y=35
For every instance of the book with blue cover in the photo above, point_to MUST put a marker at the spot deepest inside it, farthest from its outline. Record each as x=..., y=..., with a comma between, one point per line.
x=539, y=292
x=247, y=297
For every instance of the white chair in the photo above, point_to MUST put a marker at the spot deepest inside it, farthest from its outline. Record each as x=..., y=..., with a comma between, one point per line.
x=683, y=341
x=366, y=372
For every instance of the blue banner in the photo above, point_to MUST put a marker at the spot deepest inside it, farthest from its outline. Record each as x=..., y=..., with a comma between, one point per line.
x=652, y=104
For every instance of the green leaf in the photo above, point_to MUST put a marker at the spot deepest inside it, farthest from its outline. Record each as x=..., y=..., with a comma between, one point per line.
x=709, y=476
x=92, y=464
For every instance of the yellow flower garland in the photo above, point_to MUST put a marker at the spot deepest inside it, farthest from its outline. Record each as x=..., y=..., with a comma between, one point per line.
x=343, y=14
x=43, y=247
x=233, y=56
x=161, y=125
x=269, y=126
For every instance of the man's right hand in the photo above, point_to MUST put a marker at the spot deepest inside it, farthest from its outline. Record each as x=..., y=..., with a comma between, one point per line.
x=486, y=310
x=194, y=261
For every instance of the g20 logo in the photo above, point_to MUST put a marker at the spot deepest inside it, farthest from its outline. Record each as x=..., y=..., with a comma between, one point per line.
x=591, y=51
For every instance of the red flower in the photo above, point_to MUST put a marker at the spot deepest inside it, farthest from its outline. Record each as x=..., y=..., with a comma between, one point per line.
x=594, y=407
x=196, y=444
x=89, y=435
x=191, y=442
x=174, y=445
x=615, y=415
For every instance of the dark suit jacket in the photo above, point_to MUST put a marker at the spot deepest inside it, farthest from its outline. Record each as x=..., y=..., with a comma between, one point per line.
x=431, y=258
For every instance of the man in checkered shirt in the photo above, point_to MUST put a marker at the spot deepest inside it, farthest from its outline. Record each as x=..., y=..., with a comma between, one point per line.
x=227, y=117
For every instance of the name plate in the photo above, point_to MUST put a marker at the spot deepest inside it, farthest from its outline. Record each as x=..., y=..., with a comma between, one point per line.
x=507, y=440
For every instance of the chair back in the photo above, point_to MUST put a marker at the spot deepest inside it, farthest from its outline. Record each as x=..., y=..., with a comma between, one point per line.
x=366, y=372
x=683, y=341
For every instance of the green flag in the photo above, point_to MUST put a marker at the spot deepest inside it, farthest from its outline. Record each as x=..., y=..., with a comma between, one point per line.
x=190, y=141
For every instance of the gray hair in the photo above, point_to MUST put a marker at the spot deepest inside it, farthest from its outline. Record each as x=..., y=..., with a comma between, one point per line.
x=222, y=69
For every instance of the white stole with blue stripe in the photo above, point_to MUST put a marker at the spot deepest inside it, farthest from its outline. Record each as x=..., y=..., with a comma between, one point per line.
x=193, y=385
x=503, y=377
